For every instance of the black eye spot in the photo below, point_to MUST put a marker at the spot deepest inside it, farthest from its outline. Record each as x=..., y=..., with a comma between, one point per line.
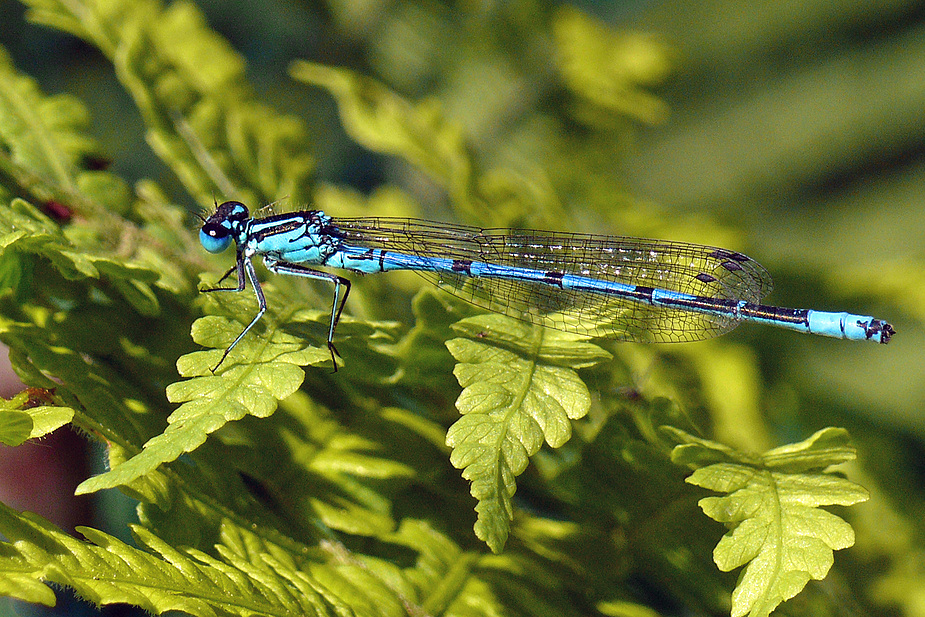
x=214, y=230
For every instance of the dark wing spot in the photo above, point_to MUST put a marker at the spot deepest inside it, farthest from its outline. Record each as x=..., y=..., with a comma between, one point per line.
x=731, y=266
x=731, y=255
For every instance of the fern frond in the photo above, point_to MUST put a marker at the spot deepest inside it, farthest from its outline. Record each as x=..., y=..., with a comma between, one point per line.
x=608, y=70
x=190, y=87
x=385, y=122
x=46, y=145
x=519, y=390
x=31, y=414
x=43, y=134
x=423, y=135
x=347, y=471
x=263, y=369
x=89, y=300
x=156, y=576
x=772, y=506
x=26, y=231
x=46, y=151
x=271, y=373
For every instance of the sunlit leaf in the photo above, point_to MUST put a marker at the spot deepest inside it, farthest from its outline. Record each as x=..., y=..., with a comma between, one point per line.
x=520, y=389
x=772, y=505
x=271, y=372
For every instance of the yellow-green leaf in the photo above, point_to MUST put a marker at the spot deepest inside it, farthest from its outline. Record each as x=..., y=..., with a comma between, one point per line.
x=520, y=389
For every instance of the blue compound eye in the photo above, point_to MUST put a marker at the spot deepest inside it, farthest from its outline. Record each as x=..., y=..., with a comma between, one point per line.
x=214, y=238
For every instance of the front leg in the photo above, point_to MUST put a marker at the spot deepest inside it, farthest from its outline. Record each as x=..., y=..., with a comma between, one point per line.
x=243, y=265
x=239, y=267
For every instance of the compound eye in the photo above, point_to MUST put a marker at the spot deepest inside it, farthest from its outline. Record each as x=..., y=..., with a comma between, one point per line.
x=214, y=238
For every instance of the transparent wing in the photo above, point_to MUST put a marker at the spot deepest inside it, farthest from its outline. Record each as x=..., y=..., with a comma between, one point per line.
x=674, y=266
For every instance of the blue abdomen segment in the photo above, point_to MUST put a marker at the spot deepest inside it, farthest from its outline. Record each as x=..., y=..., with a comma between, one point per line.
x=836, y=325
x=848, y=326
x=725, y=311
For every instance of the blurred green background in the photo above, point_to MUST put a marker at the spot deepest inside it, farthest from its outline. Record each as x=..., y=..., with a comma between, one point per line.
x=802, y=124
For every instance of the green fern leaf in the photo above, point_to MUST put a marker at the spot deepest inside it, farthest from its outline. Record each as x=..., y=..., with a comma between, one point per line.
x=39, y=348
x=420, y=132
x=205, y=124
x=349, y=468
x=608, y=70
x=519, y=390
x=43, y=134
x=446, y=580
x=28, y=416
x=156, y=576
x=190, y=87
x=46, y=142
x=271, y=372
x=383, y=121
x=772, y=505
x=45, y=147
x=26, y=231
x=263, y=369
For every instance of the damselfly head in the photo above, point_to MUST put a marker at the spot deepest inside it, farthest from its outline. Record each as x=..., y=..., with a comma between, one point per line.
x=217, y=231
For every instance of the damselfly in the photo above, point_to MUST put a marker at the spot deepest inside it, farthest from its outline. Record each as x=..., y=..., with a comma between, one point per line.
x=624, y=288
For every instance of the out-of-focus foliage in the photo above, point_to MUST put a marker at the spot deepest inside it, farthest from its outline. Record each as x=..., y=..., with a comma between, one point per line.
x=460, y=463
